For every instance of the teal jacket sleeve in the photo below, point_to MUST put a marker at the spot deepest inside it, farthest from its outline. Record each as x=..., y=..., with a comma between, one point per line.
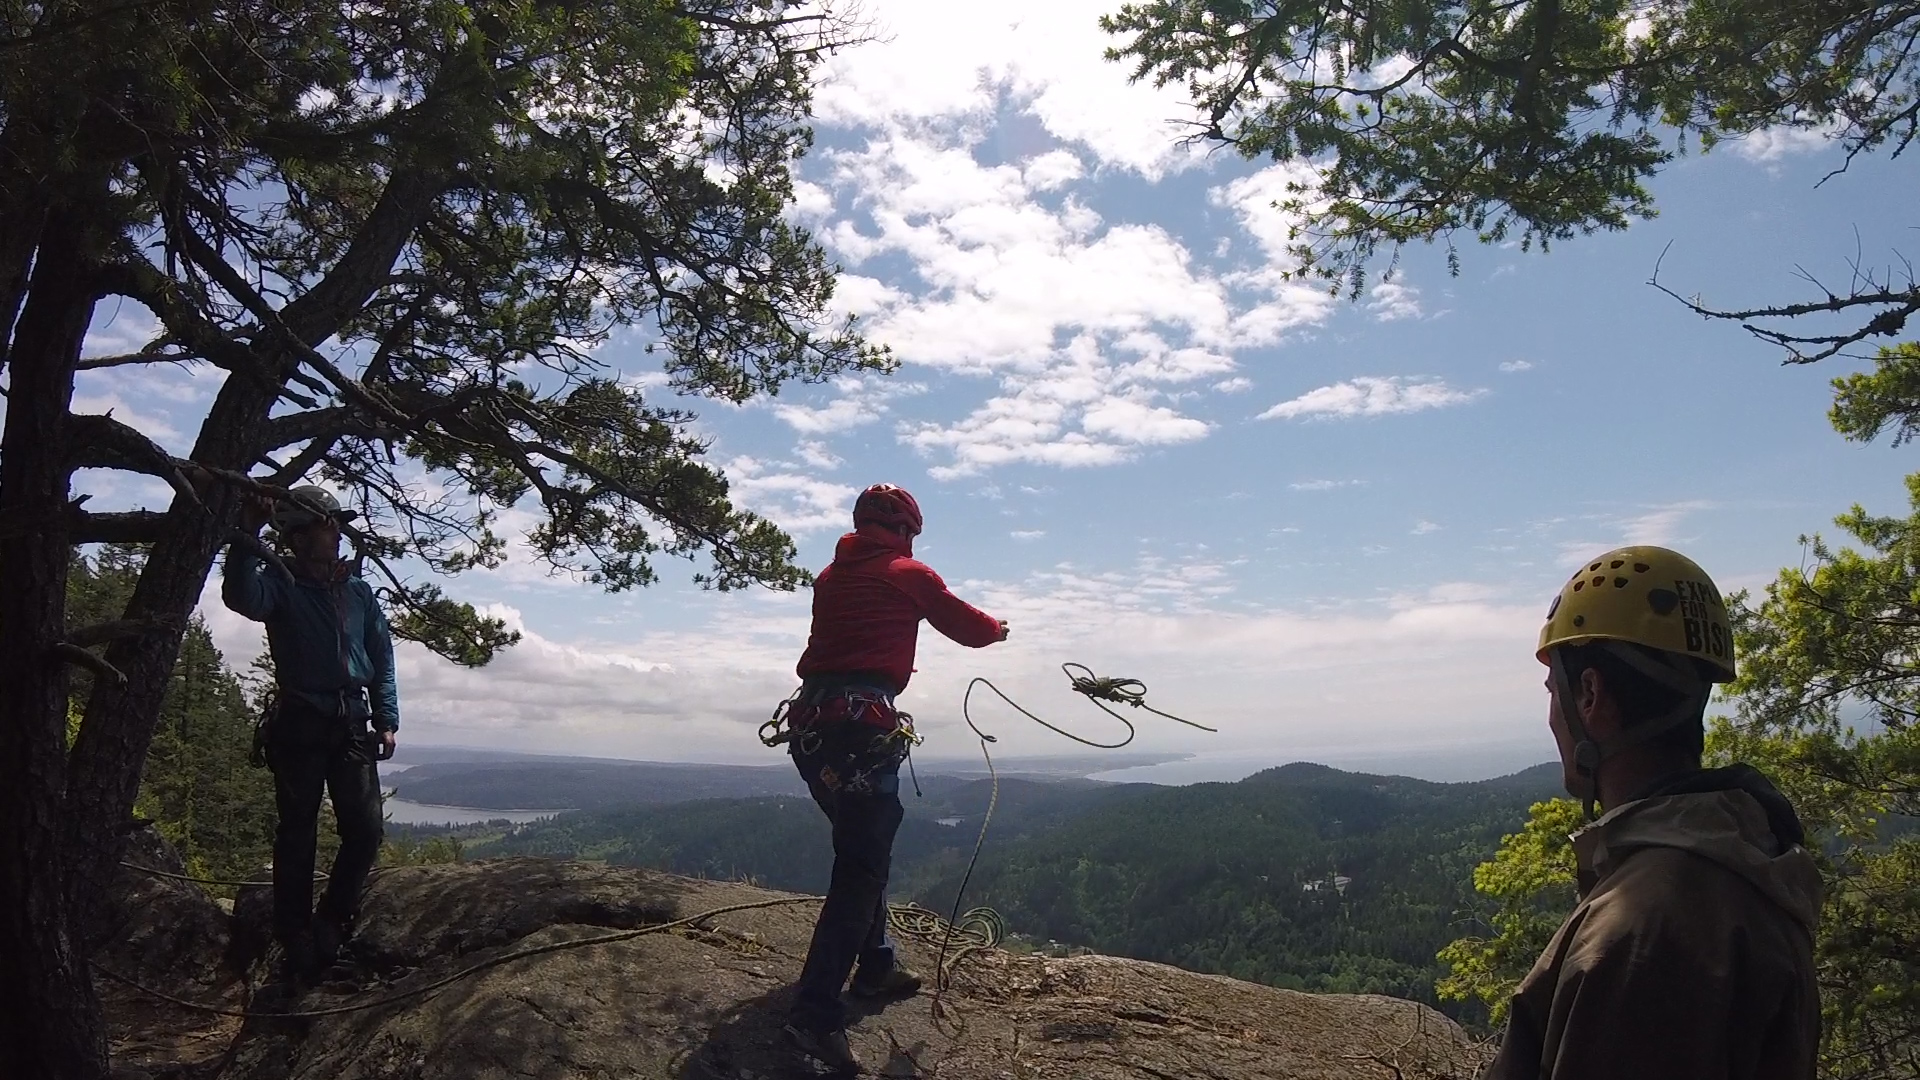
x=384, y=689
x=249, y=587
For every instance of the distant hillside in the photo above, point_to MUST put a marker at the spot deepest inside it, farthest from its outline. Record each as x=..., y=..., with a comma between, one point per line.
x=497, y=780
x=534, y=784
x=1301, y=876
x=782, y=842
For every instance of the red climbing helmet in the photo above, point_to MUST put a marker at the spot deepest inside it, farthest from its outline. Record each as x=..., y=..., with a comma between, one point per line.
x=888, y=506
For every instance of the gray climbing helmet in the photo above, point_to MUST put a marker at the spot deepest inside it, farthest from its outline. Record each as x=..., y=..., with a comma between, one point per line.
x=310, y=503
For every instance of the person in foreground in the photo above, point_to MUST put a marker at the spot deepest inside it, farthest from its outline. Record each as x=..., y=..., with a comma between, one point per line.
x=1690, y=952
x=848, y=741
x=333, y=675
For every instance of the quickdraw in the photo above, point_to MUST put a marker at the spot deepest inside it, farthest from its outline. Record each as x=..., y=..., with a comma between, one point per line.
x=829, y=724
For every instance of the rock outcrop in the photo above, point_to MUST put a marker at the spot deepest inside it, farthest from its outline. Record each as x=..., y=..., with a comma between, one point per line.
x=707, y=999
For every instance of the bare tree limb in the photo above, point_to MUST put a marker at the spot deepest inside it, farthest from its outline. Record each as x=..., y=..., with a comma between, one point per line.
x=1896, y=305
x=101, y=442
x=68, y=653
x=128, y=527
x=100, y=633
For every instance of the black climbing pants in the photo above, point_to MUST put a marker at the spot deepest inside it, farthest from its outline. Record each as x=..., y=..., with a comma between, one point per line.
x=310, y=751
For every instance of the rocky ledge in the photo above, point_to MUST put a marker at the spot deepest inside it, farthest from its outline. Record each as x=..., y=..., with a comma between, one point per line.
x=704, y=999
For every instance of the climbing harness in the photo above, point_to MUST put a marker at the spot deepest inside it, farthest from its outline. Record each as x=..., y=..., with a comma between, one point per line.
x=843, y=734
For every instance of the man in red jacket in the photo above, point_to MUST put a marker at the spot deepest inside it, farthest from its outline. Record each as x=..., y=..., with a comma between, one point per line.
x=848, y=742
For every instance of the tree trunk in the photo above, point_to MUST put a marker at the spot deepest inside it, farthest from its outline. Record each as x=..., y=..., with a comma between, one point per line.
x=50, y=1021
x=104, y=768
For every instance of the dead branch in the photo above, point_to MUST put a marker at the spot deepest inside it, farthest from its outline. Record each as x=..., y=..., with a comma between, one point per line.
x=69, y=653
x=118, y=630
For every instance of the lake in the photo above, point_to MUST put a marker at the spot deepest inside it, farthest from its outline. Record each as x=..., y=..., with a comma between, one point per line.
x=402, y=812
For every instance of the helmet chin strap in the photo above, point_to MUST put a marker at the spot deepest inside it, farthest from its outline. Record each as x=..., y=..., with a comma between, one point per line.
x=1588, y=752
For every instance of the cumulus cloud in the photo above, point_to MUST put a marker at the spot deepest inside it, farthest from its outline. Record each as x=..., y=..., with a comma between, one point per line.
x=1088, y=328
x=817, y=455
x=1771, y=145
x=1371, y=396
x=1423, y=527
x=1046, y=59
x=1661, y=526
x=1236, y=385
x=794, y=501
x=698, y=693
x=1391, y=301
x=1515, y=366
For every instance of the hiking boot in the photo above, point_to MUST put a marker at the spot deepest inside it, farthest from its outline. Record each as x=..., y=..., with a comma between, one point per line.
x=299, y=965
x=328, y=937
x=898, y=982
x=829, y=1048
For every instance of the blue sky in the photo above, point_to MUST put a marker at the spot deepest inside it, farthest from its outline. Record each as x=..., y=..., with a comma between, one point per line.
x=1328, y=528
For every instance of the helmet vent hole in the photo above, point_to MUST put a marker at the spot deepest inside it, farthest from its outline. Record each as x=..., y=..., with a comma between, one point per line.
x=1578, y=585
x=1599, y=581
x=1663, y=601
x=1595, y=566
x=1619, y=583
x=1579, y=620
x=1641, y=568
x=1617, y=564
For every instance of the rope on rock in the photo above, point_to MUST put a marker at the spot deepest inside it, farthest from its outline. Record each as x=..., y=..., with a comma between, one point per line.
x=1097, y=690
x=977, y=930
x=980, y=929
x=448, y=980
x=171, y=876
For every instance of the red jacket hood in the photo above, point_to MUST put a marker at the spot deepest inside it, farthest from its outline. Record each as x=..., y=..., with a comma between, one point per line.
x=871, y=542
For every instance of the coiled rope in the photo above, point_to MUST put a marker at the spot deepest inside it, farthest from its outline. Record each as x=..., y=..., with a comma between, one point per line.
x=1097, y=690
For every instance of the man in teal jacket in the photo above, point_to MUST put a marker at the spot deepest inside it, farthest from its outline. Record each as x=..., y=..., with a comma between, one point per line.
x=337, y=711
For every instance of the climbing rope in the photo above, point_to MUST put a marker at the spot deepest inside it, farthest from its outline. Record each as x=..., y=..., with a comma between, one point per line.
x=466, y=972
x=1097, y=690
x=1120, y=691
x=981, y=929
x=171, y=876
x=978, y=930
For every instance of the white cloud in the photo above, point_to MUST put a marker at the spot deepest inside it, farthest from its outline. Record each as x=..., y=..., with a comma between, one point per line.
x=1391, y=301
x=1082, y=410
x=1129, y=420
x=796, y=502
x=1771, y=145
x=1371, y=396
x=1323, y=485
x=1237, y=385
x=1090, y=328
x=1660, y=526
x=1044, y=59
x=1424, y=527
x=817, y=455
x=1513, y=366
x=1027, y=534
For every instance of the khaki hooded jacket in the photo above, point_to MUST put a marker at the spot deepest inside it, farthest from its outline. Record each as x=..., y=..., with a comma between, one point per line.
x=1690, y=953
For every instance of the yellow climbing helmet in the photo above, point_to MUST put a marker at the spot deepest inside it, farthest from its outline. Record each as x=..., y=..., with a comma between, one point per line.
x=1647, y=595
